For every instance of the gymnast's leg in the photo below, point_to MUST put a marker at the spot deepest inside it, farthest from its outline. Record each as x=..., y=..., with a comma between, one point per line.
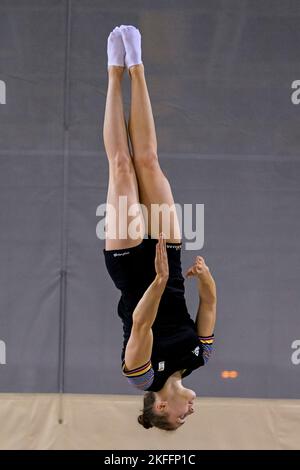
x=154, y=187
x=153, y=183
x=122, y=178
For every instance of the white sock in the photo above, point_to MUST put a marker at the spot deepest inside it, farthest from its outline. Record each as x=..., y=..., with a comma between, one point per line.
x=115, y=48
x=132, y=42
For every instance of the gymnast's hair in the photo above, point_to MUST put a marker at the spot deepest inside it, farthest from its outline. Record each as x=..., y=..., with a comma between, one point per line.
x=150, y=419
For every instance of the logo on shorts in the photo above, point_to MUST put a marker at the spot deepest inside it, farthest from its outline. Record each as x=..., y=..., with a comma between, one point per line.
x=196, y=351
x=122, y=254
x=161, y=366
x=177, y=247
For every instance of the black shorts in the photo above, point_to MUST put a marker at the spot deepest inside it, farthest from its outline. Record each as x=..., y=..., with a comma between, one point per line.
x=132, y=271
x=133, y=268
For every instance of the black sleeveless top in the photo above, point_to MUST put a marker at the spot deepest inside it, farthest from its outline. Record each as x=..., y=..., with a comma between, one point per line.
x=176, y=345
x=180, y=352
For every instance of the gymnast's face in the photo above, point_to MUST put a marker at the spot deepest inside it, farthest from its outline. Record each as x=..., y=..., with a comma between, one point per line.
x=179, y=406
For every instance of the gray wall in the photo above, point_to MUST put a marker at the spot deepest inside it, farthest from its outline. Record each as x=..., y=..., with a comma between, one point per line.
x=219, y=75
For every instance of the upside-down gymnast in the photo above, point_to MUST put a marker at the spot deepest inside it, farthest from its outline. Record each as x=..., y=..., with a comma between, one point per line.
x=162, y=344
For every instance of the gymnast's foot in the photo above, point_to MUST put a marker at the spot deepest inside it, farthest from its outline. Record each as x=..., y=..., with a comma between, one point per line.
x=115, y=50
x=132, y=42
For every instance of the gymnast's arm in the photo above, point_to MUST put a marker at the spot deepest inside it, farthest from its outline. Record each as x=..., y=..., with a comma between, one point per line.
x=207, y=309
x=139, y=347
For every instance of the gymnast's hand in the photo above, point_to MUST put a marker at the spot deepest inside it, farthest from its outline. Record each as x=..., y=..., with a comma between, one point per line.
x=199, y=269
x=161, y=259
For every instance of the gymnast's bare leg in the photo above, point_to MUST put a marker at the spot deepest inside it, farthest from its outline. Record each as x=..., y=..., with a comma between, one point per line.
x=122, y=177
x=153, y=184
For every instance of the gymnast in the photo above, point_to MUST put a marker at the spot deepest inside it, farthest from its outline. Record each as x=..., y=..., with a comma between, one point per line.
x=162, y=344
